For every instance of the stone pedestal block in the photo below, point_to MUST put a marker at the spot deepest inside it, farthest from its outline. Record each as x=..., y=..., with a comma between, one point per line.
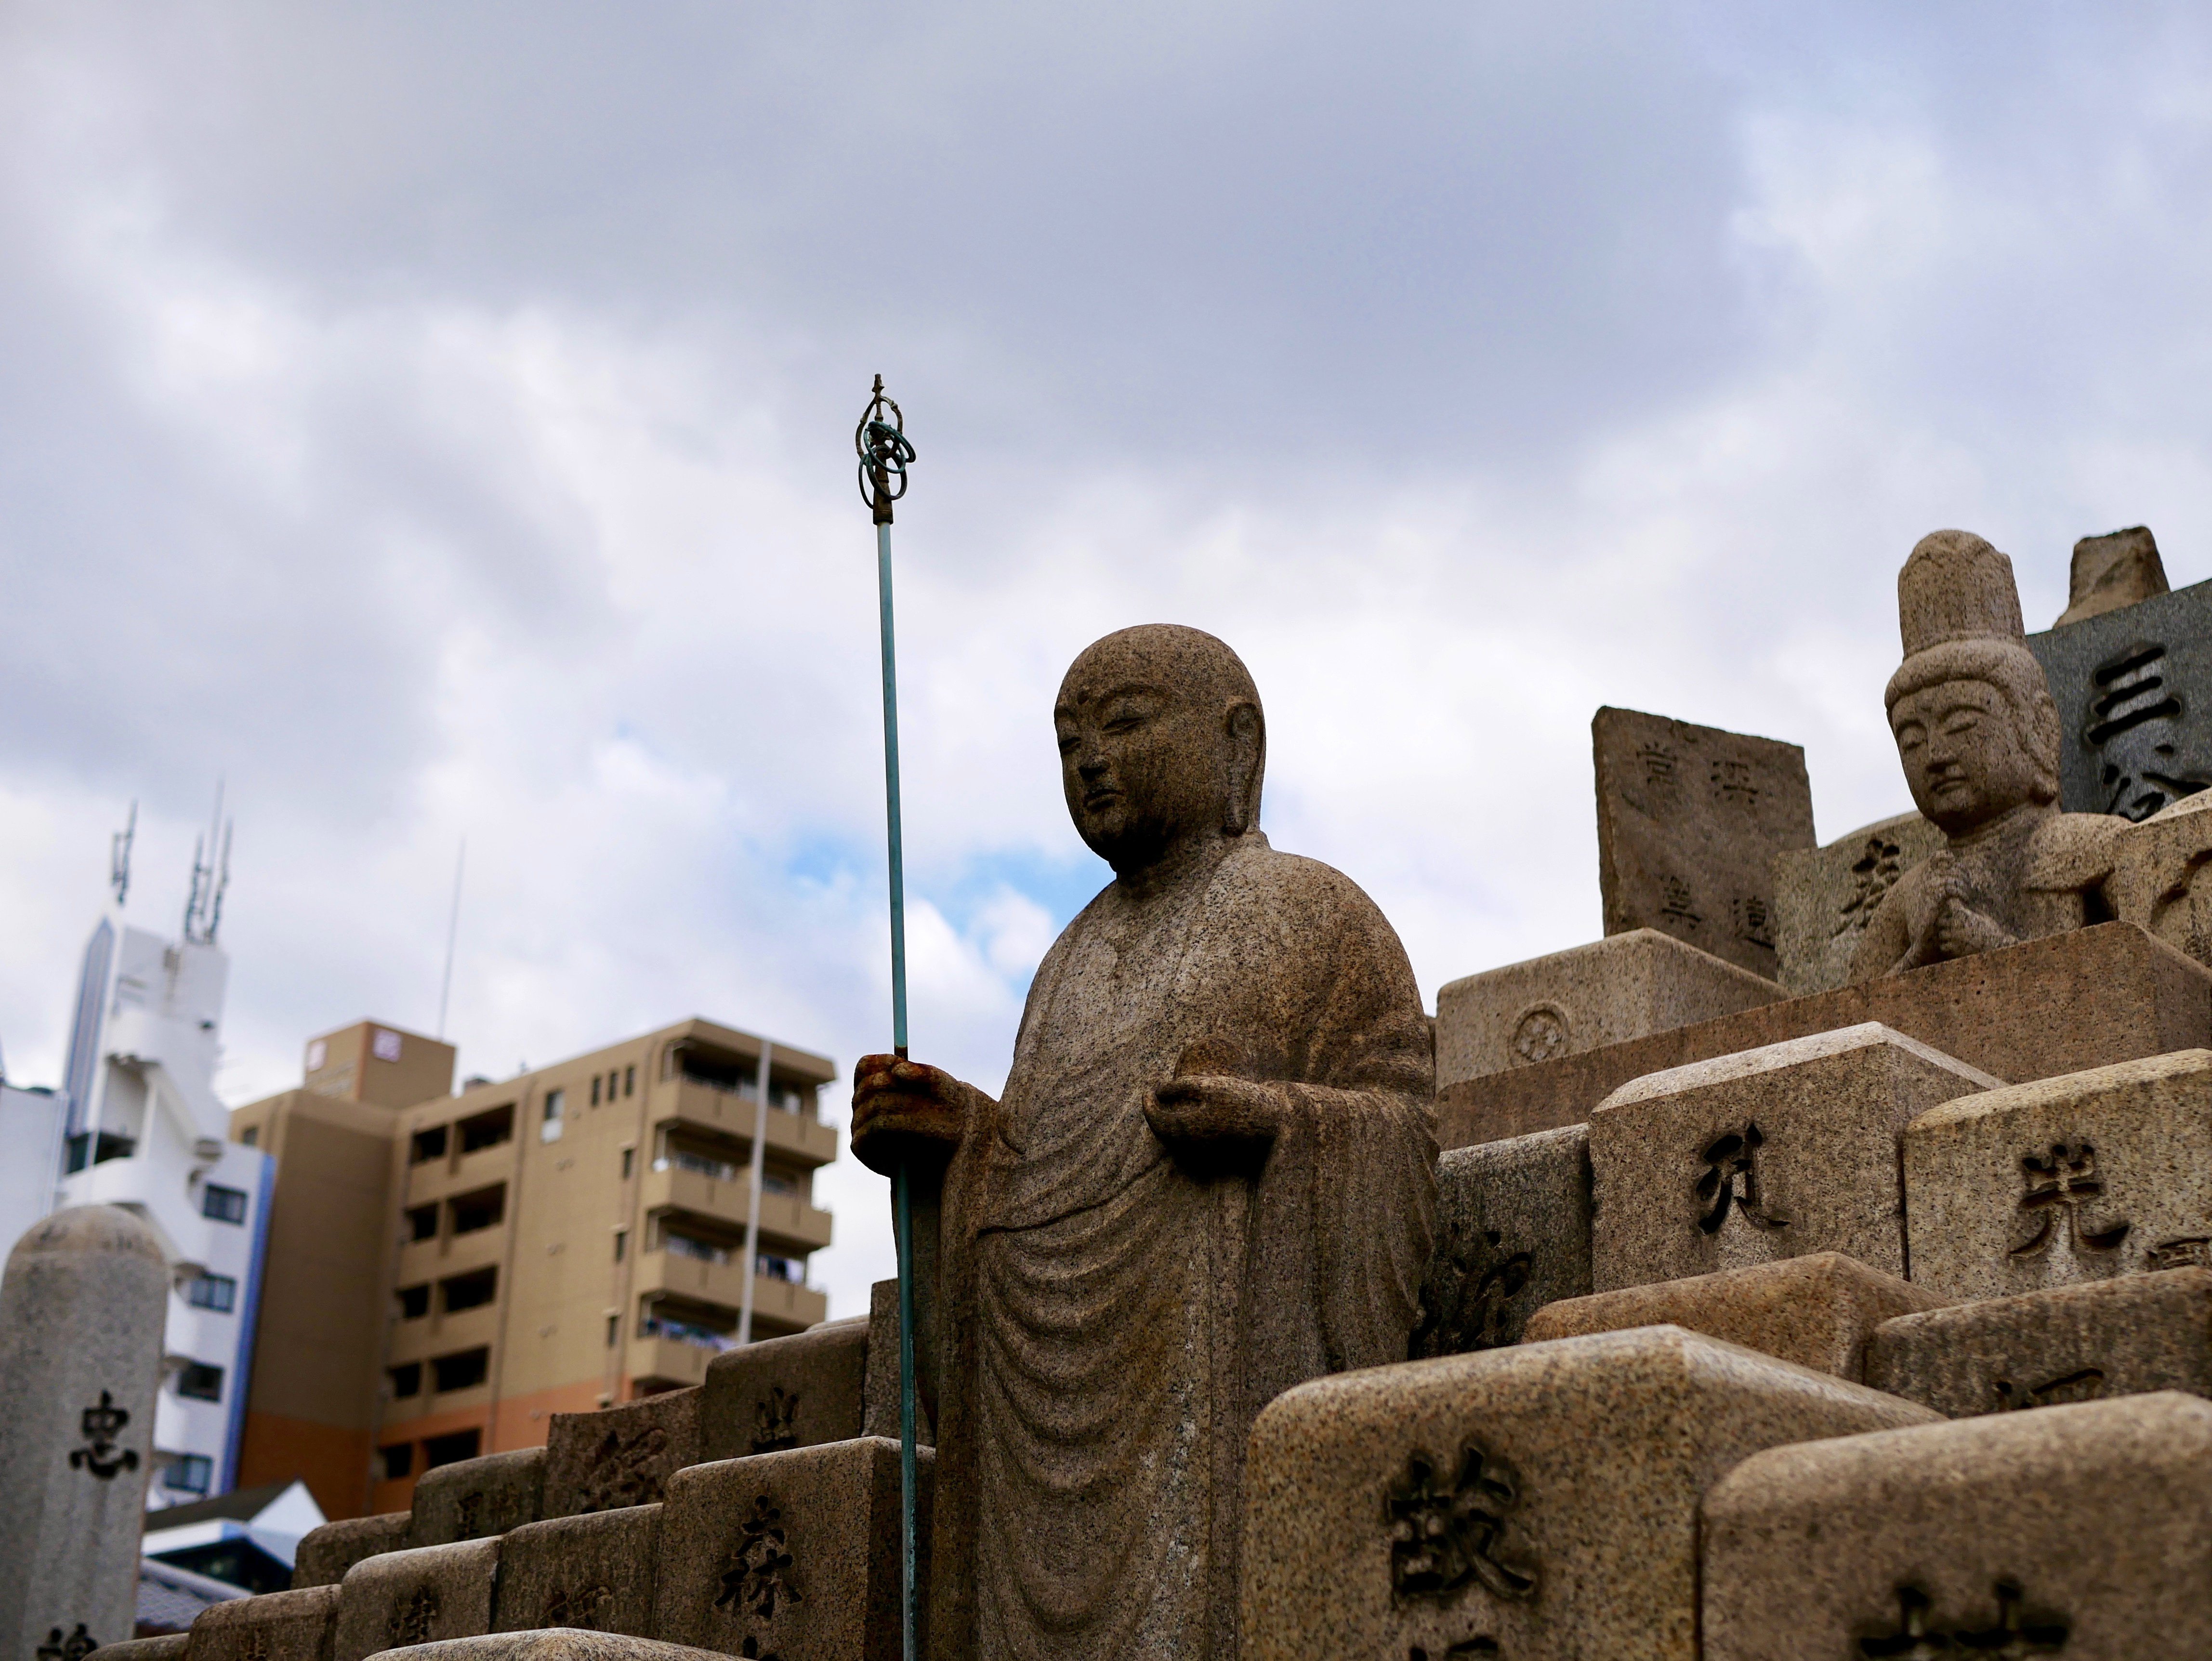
x=620, y=1455
x=594, y=1571
x=794, y=1554
x=1513, y=1234
x=168, y=1646
x=1819, y=1310
x=1823, y=897
x=2161, y=877
x=1772, y=1154
x=568, y=1644
x=2065, y=1180
x=2019, y=1013
x=880, y=1394
x=413, y=1596
x=784, y=1393
x=1689, y=820
x=2077, y=1344
x=82, y=1307
x=1624, y=986
x=2083, y=1532
x=280, y=1625
x=1534, y=1502
x=476, y=1498
x=325, y=1554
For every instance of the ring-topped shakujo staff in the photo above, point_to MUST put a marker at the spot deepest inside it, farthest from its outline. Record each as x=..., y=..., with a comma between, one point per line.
x=881, y=441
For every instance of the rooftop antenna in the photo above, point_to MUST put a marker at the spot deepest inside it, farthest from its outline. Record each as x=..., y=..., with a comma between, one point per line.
x=118, y=857
x=453, y=934
x=210, y=878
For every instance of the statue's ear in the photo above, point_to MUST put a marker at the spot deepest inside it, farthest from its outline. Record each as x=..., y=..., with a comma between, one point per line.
x=1247, y=759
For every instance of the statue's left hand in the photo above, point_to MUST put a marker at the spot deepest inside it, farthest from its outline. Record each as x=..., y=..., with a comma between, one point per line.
x=1964, y=932
x=1211, y=1109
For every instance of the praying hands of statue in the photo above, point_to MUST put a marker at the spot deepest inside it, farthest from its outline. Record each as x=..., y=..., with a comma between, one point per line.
x=1953, y=929
x=902, y=1108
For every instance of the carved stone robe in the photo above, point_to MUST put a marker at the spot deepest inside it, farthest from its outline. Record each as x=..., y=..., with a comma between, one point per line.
x=1111, y=1319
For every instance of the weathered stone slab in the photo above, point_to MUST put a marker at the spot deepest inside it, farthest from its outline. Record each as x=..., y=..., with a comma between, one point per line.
x=593, y=1571
x=1513, y=1234
x=168, y=1646
x=620, y=1455
x=1620, y=988
x=1824, y=896
x=1541, y=1500
x=558, y=1644
x=1819, y=1310
x=1993, y=1011
x=278, y=1626
x=2077, y=1344
x=793, y=1553
x=325, y=1554
x=2134, y=690
x=2121, y=567
x=2161, y=877
x=473, y=1499
x=2079, y=1531
x=2077, y=1178
x=1689, y=820
x=413, y=1596
x=1775, y=1152
x=880, y=1415
x=792, y=1392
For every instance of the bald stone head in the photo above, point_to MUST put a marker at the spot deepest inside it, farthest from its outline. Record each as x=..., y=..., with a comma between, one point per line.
x=1161, y=746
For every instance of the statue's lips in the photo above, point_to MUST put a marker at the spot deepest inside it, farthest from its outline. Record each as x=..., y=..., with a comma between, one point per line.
x=1095, y=799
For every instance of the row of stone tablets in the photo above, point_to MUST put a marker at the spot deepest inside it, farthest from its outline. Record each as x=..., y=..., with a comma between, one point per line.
x=1656, y=1492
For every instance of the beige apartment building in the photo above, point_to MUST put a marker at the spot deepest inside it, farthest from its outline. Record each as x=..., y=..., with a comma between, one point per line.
x=550, y=1242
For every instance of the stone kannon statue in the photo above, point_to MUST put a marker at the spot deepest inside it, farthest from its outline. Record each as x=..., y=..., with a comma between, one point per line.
x=1210, y=1177
x=1978, y=737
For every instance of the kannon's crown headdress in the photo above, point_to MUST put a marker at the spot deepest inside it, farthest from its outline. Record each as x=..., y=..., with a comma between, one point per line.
x=1958, y=612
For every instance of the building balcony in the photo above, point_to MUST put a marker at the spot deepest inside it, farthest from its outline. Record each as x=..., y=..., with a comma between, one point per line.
x=729, y=1115
x=789, y=1224
x=663, y=1361
x=451, y=1254
x=438, y=1180
x=701, y=1281
x=440, y=1334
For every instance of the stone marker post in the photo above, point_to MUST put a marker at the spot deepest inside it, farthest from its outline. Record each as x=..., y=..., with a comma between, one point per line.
x=81, y=1311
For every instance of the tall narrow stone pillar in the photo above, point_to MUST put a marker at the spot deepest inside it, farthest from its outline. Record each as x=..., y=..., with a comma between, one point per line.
x=81, y=1311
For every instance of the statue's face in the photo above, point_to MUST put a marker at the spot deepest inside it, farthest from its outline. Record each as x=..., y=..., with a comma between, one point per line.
x=1966, y=755
x=1140, y=762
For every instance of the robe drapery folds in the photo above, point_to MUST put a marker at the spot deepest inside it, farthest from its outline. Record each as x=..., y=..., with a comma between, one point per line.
x=1112, y=1319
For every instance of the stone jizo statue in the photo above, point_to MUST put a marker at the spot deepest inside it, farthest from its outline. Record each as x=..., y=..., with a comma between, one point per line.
x=1978, y=737
x=1210, y=1177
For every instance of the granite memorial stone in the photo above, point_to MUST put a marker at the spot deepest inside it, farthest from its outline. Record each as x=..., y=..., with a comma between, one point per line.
x=401, y=1597
x=1513, y=1234
x=1540, y=1502
x=1209, y=1177
x=2162, y=876
x=593, y=1571
x=554, y=1644
x=2073, y=1343
x=1978, y=737
x=325, y=1554
x=1772, y=1154
x=2121, y=567
x=789, y=1392
x=620, y=1455
x=163, y=1646
x=1620, y=988
x=794, y=1554
x=1825, y=897
x=880, y=1410
x=476, y=1498
x=1818, y=1310
x=278, y=1626
x=1689, y=820
x=83, y=1308
x=2083, y=1532
x=2077, y=1178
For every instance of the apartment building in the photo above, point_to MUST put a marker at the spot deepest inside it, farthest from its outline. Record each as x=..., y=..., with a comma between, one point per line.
x=567, y=1238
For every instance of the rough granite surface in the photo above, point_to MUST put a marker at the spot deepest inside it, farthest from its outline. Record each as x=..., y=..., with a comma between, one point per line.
x=412, y=1597
x=1772, y=1154
x=2082, y=1531
x=1541, y=1498
x=325, y=1554
x=1819, y=1310
x=620, y=1455
x=1623, y=987
x=2077, y=1178
x=554, y=1645
x=880, y=1411
x=1513, y=1234
x=278, y=1626
x=787, y=1392
x=594, y=1571
x=1825, y=897
x=168, y=1646
x=2077, y=1344
x=2121, y=567
x=476, y=1498
x=2162, y=875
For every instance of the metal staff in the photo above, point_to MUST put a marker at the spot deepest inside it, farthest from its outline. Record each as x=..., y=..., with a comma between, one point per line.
x=881, y=441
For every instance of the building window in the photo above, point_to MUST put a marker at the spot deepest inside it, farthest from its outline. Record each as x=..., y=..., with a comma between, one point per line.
x=413, y=1302
x=621, y=1243
x=188, y=1472
x=548, y=1128
x=470, y=1291
x=422, y=1223
x=780, y=1268
x=595, y=1090
x=428, y=1144
x=485, y=1208
x=487, y=1129
x=216, y=1292
x=689, y=1245
x=200, y=1382
x=630, y=1081
x=406, y=1379
x=251, y=1136
x=614, y=1329
x=384, y=1045
x=451, y=1449
x=629, y=1162
x=465, y=1370
x=772, y=1184
x=317, y=1052
x=398, y=1459
x=225, y=1205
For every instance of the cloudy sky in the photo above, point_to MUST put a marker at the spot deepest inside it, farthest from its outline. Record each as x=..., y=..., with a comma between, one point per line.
x=435, y=421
